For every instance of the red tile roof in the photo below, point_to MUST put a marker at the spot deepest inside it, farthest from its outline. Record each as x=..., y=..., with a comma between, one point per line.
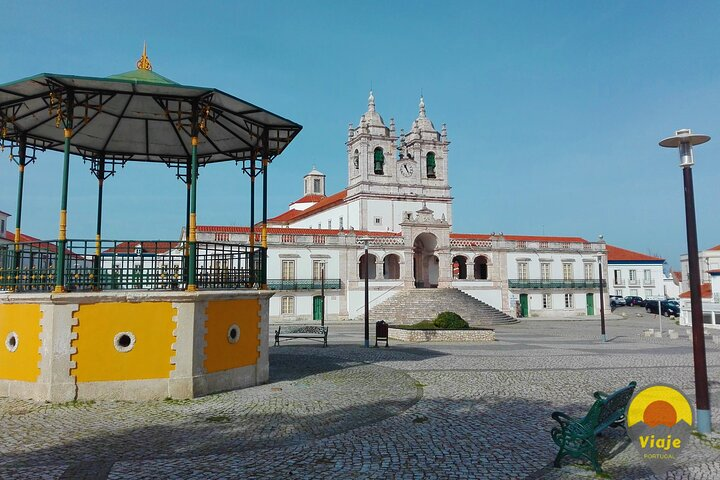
x=677, y=277
x=309, y=199
x=147, y=247
x=714, y=272
x=324, y=204
x=293, y=231
x=716, y=247
x=517, y=238
x=705, y=291
x=617, y=254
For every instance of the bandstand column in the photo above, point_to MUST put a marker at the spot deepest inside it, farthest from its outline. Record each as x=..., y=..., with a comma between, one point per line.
x=62, y=238
x=252, y=221
x=192, y=257
x=265, y=162
x=98, y=224
x=22, y=154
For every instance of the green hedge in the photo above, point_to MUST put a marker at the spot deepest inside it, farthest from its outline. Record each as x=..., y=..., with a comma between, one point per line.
x=450, y=320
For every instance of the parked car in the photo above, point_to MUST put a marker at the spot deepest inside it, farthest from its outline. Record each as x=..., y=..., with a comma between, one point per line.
x=632, y=301
x=617, y=301
x=667, y=307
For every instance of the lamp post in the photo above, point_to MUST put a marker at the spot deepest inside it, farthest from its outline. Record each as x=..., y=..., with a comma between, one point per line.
x=684, y=141
x=366, y=263
x=322, y=294
x=603, y=337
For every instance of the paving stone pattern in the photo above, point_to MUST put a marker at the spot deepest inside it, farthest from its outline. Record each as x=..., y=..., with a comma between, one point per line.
x=444, y=411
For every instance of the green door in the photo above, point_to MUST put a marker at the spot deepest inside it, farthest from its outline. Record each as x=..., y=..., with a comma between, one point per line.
x=524, y=305
x=317, y=308
x=590, y=303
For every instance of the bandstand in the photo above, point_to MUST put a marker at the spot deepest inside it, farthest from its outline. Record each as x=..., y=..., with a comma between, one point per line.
x=84, y=319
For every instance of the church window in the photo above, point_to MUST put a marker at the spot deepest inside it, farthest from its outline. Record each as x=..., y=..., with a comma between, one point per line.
x=316, y=186
x=371, y=267
x=318, y=267
x=287, y=306
x=459, y=268
x=341, y=223
x=544, y=271
x=288, y=269
x=391, y=267
x=547, y=300
x=356, y=160
x=522, y=269
x=379, y=158
x=329, y=224
x=480, y=268
x=430, y=161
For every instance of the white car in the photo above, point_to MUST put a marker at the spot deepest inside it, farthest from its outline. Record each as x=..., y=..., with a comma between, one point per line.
x=617, y=301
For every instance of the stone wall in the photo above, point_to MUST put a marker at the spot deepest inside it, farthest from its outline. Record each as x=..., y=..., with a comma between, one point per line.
x=470, y=335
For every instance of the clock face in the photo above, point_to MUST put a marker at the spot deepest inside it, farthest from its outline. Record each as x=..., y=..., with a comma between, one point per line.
x=406, y=169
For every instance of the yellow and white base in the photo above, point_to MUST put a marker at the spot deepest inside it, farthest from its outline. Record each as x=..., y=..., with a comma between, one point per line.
x=132, y=345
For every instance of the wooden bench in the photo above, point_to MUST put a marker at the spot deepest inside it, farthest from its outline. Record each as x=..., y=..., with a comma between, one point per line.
x=290, y=332
x=576, y=437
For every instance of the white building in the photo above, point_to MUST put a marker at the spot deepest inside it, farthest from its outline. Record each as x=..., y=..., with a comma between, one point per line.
x=398, y=202
x=635, y=274
x=709, y=260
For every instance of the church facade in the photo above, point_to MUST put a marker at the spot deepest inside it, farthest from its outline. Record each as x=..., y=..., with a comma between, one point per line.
x=397, y=210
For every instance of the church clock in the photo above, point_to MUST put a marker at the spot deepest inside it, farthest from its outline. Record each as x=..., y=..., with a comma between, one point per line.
x=406, y=169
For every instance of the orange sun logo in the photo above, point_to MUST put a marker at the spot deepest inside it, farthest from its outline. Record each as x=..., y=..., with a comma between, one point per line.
x=660, y=412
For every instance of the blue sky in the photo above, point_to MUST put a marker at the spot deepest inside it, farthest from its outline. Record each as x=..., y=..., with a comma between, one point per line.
x=554, y=109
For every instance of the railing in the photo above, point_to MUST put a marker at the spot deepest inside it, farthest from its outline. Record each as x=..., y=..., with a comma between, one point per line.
x=569, y=284
x=304, y=284
x=128, y=265
x=648, y=282
x=619, y=281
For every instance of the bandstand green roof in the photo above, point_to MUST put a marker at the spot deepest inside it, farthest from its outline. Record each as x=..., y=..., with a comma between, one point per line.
x=140, y=116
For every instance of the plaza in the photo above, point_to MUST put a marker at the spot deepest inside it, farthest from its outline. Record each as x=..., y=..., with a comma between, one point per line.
x=437, y=410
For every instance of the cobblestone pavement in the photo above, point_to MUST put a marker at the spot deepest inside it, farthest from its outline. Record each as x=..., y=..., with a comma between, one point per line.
x=409, y=411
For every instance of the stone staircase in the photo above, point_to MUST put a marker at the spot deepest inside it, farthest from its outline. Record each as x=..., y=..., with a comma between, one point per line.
x=417, y=304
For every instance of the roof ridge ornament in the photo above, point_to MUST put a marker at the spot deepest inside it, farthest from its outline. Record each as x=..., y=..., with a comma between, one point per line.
x=422, y=107
x=144, y=62
x=371, y=102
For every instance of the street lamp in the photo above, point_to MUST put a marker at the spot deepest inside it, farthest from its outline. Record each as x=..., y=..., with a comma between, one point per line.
x=366, y=262
x=602, y=298
x=322, y=294
x=684, y=141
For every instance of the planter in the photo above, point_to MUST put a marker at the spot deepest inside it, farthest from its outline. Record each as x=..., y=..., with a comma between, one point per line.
x=464, y=335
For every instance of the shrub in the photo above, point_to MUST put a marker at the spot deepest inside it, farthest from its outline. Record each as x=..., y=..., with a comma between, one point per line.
x=450, y=320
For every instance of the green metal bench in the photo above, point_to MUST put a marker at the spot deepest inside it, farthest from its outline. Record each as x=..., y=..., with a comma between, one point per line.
x=576, y=437
x=313, y=332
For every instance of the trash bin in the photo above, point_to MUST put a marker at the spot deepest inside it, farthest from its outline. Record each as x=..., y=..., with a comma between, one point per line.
x=381, y=332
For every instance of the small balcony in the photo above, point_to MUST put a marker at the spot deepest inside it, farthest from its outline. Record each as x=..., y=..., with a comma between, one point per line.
x=304, y=284
x=554, y=284
x=648, y=282
x=619, y=282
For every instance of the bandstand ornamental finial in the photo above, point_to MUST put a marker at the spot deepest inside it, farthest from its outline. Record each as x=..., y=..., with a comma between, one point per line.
x=144, y=62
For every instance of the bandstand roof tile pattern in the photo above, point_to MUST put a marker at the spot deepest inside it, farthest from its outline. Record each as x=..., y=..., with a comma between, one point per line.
x=617, y=254
x=139, y=116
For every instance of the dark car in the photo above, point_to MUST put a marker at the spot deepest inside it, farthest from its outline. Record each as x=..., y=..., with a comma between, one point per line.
x=631, y=301
x=669, y=309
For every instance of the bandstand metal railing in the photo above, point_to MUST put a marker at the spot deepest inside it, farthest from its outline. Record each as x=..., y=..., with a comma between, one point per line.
x=129, y=265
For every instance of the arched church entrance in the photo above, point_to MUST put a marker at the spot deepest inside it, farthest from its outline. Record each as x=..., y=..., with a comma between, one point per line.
x=425, y=264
